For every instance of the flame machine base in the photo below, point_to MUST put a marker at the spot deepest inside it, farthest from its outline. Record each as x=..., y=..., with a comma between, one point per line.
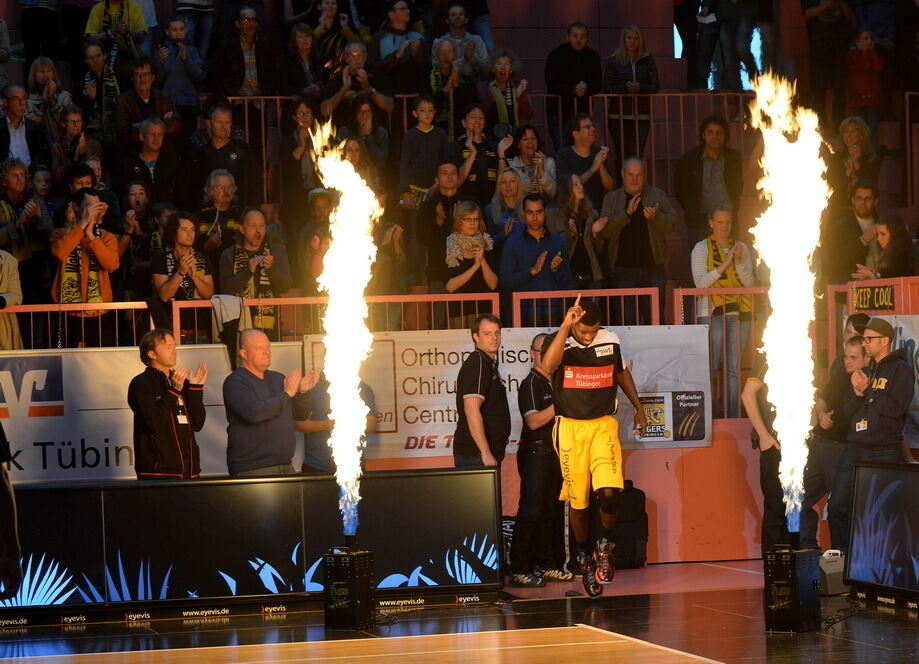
x=348, y=589
x=791, y=597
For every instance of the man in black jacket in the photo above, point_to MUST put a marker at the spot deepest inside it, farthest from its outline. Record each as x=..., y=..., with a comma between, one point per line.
x=708, y=177
x=21, y=137
x=154, y=165
x=573, y=72
x=168, y=409
x=876, y=410
x=230, y=74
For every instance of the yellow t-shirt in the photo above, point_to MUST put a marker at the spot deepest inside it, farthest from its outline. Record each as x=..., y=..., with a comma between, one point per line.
x=134, y=17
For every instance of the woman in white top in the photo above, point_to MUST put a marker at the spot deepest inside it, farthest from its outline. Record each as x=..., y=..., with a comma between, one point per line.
x=721, y=262
x=536, y=170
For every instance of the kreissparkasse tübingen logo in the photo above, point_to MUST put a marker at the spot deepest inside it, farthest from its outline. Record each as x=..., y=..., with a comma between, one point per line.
x=674, y=416
x=31, y=387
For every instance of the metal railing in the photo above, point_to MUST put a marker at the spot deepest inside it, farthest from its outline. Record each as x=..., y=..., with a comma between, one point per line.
x=297, y=316
x=50, y=326
x=620, y=306
x=732, y=338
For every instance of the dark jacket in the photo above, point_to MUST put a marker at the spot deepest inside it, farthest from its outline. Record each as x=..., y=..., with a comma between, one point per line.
x=226, y=68
x=877, y=417
x=616, y=75
x=841, y=247
x=688, y=181
x=235, y=157
x=162, y=446
x=293, y=81
x=128, y=114
x=160, y=185
x=36, y=139
x=565, y=68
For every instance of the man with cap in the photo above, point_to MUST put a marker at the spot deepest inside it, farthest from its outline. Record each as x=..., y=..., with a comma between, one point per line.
x=876, y=408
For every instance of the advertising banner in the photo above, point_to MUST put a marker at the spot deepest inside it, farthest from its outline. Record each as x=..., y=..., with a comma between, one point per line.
x=67, y=417
x=413, y=377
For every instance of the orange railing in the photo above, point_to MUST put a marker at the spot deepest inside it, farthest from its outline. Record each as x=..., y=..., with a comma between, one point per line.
x=60, y=325
x=735, y=335
x=620, y=306
x=297, y=316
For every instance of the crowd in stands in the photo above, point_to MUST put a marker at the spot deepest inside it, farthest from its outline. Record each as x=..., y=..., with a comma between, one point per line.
x=136, y=178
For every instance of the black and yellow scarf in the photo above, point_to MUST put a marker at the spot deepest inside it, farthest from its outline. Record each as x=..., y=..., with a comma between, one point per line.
x=123, y=46
x=71, y=283
x=728, y=279
x=257, y=287
x=498, y=95
x=100, y=123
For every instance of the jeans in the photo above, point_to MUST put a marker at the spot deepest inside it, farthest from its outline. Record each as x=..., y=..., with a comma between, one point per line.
x=481, y=26
x=638, y=277
x=540, y=313
x=738, y=331
x=684, y=18
x=540, y=483
x=823, y=459
x=735, y=36
x=268, y=471
x=199, y=28
x=39, y=34
x=845, y=478
x=706, y=43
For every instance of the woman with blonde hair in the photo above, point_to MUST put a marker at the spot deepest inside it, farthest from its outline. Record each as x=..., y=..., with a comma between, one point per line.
x=630, y=70
x=853, y=159
x=471, y=261
x=502, y=215
x=47, y=99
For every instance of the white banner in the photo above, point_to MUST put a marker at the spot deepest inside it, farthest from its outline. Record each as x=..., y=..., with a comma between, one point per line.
x=67, y=417
x=413, y=377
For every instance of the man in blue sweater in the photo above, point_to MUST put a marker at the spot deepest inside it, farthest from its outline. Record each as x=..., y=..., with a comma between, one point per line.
x=261, y=408
x=534, y=260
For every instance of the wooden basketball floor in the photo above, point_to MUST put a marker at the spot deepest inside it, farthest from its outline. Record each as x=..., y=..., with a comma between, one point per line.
x=549, y=645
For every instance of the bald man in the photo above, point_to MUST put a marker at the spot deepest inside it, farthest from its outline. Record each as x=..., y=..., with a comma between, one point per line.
x=261, y=408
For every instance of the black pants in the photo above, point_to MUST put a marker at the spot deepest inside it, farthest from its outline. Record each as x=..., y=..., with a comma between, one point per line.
x=828, y=72
x=820, y=474
x=774, y=530
x=74, y=20
x=684, y=18
x=845, y=479
x=535, y=532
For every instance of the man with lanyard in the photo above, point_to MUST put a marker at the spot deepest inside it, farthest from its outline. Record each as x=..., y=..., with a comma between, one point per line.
x=168, y=409
x=255, y=268
x=586, y=366
x=875, y=409
x=484, y=422
x=540, y=481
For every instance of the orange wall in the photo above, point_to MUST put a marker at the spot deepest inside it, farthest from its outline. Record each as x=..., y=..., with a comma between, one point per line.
x=703, y=503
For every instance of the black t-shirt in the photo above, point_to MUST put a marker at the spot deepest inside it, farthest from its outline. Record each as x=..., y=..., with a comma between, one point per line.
x=585, y=381
x=766, y=409
x=567, y=161
x=534, y=395
x=167, y=263
x=834, y=393
x=479, y=376
x=634, y=241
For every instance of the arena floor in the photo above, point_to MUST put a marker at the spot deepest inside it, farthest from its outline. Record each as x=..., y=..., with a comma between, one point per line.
x=687, y=612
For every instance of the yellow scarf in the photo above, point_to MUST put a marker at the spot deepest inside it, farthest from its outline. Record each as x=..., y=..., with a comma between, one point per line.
x=728, y=279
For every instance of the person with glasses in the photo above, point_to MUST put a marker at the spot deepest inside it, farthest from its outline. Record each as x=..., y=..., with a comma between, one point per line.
x=244, y=65
x=20, y=137
x=397, y=53
x=876, y=410
x=218, y=221
x=349, y=80
x=584, y=158
x=143, y=102
x=536, y=535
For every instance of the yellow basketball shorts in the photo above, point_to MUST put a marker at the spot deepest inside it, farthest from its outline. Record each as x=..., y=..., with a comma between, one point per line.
x=589, y=454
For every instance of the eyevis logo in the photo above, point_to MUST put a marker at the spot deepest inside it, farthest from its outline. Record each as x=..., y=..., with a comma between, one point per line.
x=31, y=387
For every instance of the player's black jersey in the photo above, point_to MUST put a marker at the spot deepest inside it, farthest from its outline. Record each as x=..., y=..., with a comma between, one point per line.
x=585, y=381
